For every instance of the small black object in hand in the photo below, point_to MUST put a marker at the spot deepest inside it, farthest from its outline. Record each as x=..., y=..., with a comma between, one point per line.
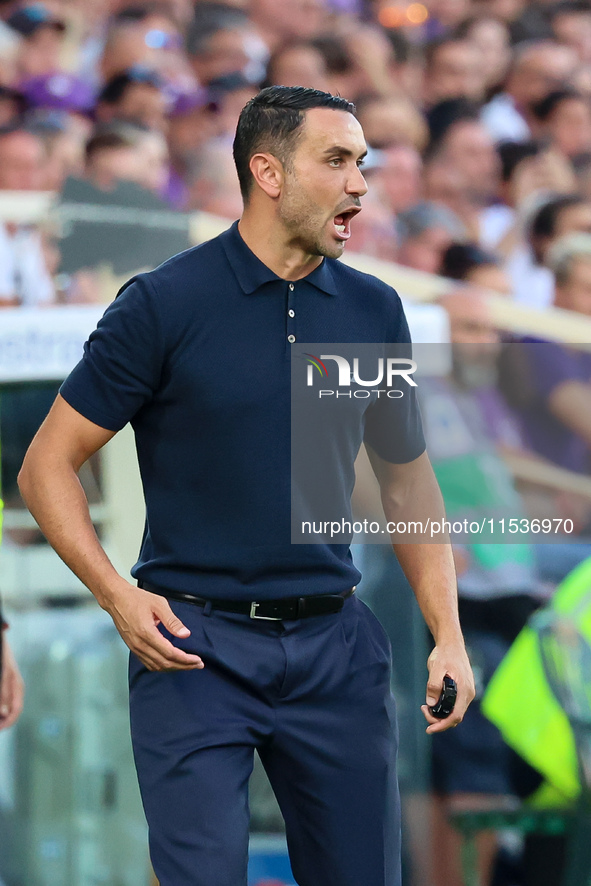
x=447, y=699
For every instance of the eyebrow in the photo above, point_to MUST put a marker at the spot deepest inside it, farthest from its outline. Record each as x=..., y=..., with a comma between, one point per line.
x=344, y=152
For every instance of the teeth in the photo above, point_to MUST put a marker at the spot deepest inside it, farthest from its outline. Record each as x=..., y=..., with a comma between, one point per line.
x=340, y=228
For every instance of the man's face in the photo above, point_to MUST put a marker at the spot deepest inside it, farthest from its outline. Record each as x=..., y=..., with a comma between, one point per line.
x=471, y=149
x=475, y=342
x=39, y=53
x=574, y=30
x=22, y=162
x=143, y=104
x=456, y=71
x=542, y=70
x=400, y=177
x=570, y=126
x=573, y=219
x=424, y=251
x=491, y=38
x=575, y=293
x=228, y=50
x=323, y=183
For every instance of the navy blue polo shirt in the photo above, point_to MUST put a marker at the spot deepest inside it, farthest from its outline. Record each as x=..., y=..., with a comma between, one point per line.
x=196, y=355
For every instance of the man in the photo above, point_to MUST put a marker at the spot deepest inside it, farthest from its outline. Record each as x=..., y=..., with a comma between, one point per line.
x=554, y=404
x=565, y=122
x=425, y=231
x=241, y=640
x=42, y=40
x=570, y=260
x=283, y=21
x=213, y=186
x=221, y=40
x=398, y=176
x=123, y=152
x=538, y=68
x=299, y=62
x=452, y=70
x=468, y=426
x=571, y=24
x=134, y=96
x=467, y=147
x=556, y=217
x=24, y=277
x=391, y=120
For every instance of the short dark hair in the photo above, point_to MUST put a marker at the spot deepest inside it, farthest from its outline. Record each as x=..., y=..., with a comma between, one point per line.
x=544, y=109
x=442, y=116
x=208, y=19
x=568, y=7
x=513, y=153
x=108, y=138
x=460, y=259
x=337, y=56
x=431, y=48
x=544, y=222
x=272, y=121
x=403, y=49
x=115, y=88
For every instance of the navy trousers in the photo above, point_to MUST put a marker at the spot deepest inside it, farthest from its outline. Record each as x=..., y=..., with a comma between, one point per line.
x=313, y=697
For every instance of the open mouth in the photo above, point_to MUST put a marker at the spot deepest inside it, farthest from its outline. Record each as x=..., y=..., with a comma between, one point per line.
x=342, y=222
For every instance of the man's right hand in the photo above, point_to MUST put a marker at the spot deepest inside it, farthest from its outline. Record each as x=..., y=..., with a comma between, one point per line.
x=11, y=689
x=137, y=614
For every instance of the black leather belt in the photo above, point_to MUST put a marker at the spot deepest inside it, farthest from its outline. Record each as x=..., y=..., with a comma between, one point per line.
x=267, y=610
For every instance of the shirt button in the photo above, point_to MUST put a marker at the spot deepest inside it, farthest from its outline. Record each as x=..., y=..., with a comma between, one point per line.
x=291, y=312
x=291, y=287
x=291, y=339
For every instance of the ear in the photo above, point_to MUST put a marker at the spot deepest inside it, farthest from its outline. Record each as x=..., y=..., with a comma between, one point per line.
x=268, y=173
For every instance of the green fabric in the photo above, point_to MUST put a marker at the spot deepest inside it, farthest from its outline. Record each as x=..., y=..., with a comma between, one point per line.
x=520, y=703
x=477, y=486
x=475, y=482
x=477, y=479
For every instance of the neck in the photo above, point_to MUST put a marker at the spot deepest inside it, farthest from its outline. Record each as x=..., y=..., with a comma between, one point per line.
x=264, y=235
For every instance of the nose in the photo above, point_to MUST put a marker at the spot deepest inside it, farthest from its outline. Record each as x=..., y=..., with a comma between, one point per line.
x=356, y=184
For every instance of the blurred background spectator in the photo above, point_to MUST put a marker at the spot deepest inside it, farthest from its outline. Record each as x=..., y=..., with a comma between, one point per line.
x=441, y=90
x=536, y=69
x=425, y=232
x=468, y=262
x=24, y=275
x=135, y=95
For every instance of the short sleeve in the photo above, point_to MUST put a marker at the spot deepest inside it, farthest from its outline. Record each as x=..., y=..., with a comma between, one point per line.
x=393, y=426
x=122, y=362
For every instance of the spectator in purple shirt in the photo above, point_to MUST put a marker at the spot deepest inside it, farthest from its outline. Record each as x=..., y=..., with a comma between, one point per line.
x=556, y=382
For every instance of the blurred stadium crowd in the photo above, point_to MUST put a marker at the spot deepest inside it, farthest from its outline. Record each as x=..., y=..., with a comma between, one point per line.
x=477, y=114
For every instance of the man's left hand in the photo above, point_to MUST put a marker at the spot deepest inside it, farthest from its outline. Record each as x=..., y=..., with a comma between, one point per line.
x=452, y=660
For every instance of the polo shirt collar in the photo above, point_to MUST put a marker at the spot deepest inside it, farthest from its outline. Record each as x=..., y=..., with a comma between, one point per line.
x=252, y=273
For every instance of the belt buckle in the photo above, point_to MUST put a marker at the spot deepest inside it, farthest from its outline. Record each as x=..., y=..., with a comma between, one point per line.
x=253, y=614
